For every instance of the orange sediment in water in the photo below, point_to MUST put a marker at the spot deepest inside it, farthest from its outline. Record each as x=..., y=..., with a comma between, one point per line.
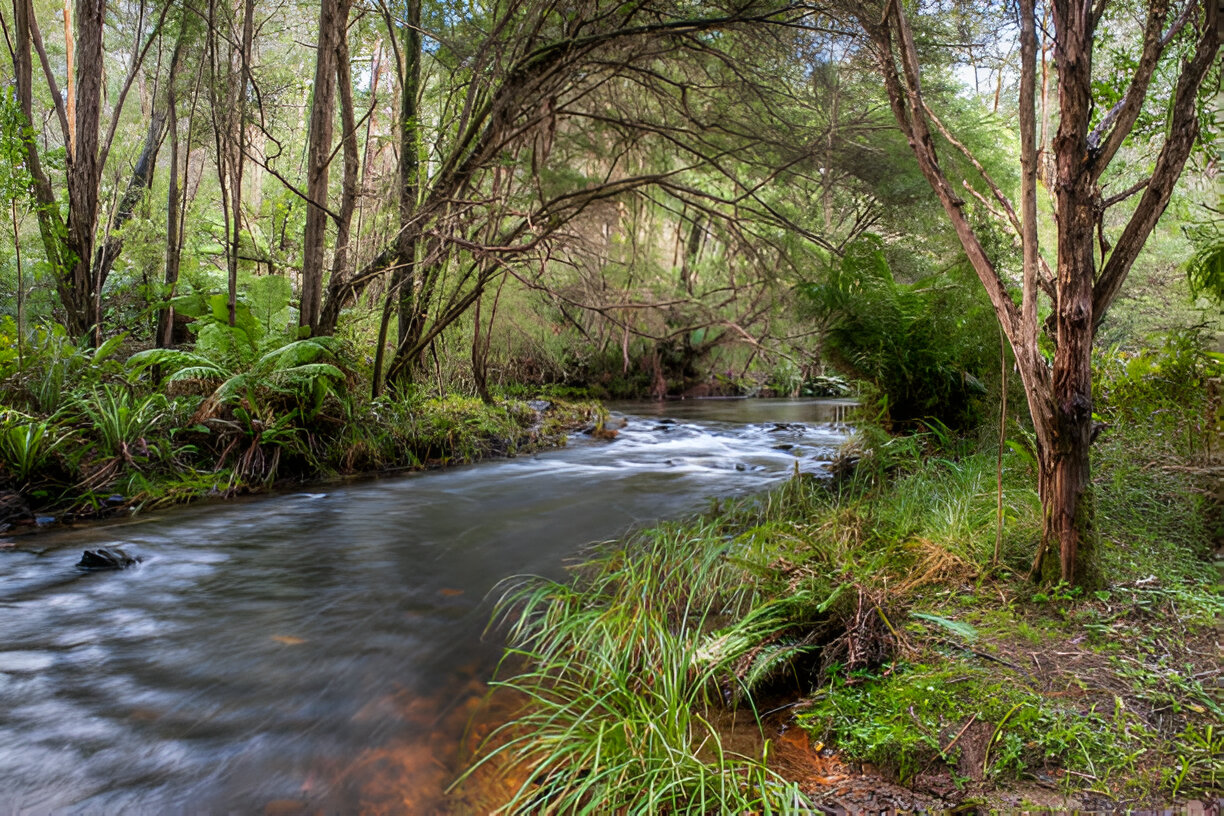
x=412, y=774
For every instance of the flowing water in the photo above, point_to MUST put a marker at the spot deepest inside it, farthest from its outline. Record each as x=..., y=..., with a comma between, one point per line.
x=270, y=653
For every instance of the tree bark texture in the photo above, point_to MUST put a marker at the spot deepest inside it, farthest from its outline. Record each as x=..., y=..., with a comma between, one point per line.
x=340, y=286
x=77, y=286
x=50, y=223
x=404, y=283
x=140, y=181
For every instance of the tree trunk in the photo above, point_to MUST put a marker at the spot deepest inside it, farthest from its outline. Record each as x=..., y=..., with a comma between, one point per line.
x=404, y=284
x=1059, y=398
x=340, y=284
x=238, y=110
x=174, y=232
x=77, y=287
x=70, y=73
x=165, y=315
x=322, y=114
x=141, y=180
x=50, y=223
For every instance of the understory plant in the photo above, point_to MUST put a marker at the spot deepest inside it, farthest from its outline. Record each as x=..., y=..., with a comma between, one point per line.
x=924, y=346
x=623, y=681
x=27, y=445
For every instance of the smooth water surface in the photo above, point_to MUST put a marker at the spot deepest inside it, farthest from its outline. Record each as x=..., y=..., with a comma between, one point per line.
x=262, y=648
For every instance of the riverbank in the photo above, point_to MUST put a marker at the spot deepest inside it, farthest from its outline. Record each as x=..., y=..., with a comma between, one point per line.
x=117, y=449
x=875, y=642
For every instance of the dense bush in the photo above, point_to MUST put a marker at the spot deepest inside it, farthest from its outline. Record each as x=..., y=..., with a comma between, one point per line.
x=925, y=346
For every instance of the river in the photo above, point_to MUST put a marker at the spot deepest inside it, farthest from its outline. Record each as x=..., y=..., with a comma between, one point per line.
x=273, y=654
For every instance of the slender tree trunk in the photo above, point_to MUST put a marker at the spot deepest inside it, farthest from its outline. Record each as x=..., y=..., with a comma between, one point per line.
x=174, y=244
x=50, y=223
x=480, y=353
x=405, y=286
x=692, y=251
x=340, y=286
x=138, y=184
x=80, y=293
x=165, y=315
x=238, y=136
x=221, y=112
x=70, y=57
x=322, y=114
x=21, y=322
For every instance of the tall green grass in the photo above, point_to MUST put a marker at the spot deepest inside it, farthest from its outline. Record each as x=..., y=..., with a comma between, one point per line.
x=623, y=671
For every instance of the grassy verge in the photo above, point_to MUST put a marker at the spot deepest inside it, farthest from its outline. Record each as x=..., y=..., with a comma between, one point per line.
x=85, y=433
x=871, y=616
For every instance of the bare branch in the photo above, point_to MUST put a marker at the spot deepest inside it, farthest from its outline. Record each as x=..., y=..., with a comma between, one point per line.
x=1120, y=119
x=1183, y=131
x=56, y=96
x=1118, y=198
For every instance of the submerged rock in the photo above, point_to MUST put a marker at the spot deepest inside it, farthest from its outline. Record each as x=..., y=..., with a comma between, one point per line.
x=106, y=559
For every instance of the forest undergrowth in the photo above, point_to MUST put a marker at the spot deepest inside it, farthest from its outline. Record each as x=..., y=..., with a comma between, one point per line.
x=872, y=640
x=88, y=433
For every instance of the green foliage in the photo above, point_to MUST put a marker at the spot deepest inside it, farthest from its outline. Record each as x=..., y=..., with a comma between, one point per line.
x=1199, y=767
x=302, y=373
x=119, y=422
x=54, y=367
x=1205, y=268
x=1169, y=372
x=763, y=594
x=255, y=440
x=920, y=344
x=621, y=683
x=269, y=296
x=28, y=445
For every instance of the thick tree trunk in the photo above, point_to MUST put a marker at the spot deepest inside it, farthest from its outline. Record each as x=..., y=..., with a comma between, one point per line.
x=1066, y=539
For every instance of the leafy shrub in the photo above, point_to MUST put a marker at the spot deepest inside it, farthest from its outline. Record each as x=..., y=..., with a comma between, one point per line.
x=1205, y=269
x=1169, y=373
x=27, y=445
x=302, y=373
x=52, y=365
x=925, y=345
x=120, y=422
